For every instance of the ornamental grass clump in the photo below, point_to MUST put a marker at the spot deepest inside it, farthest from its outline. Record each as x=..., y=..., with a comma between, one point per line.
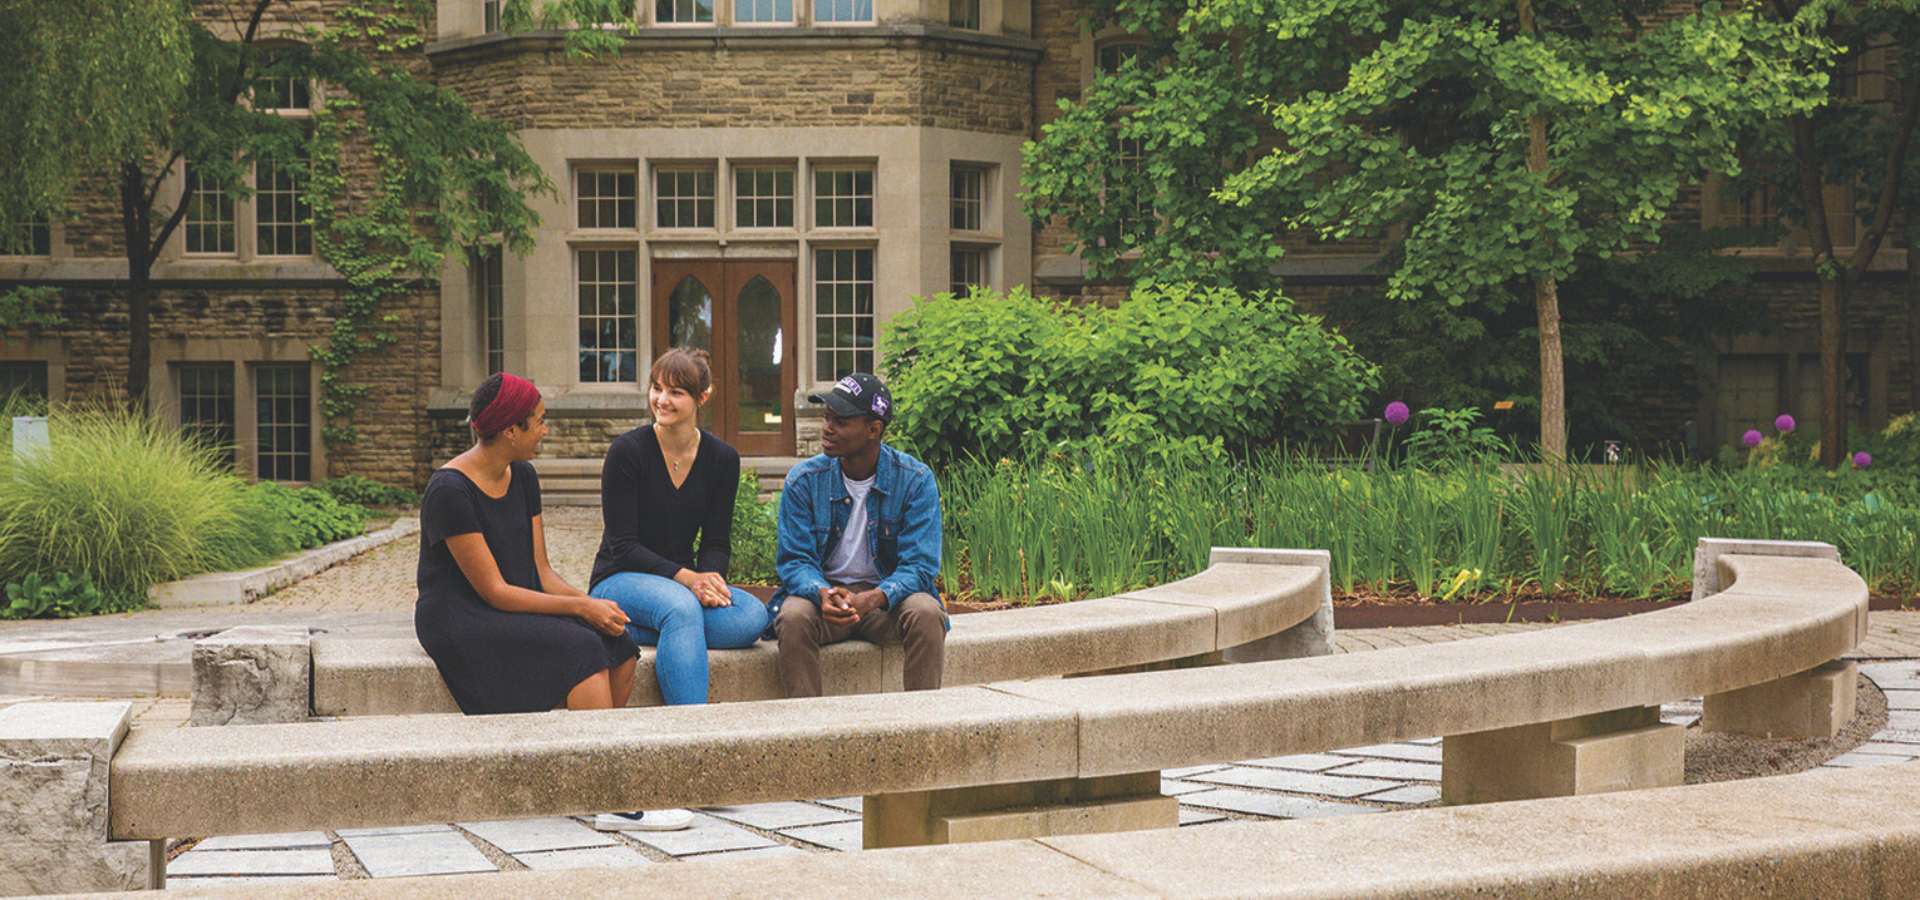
x=125, y=501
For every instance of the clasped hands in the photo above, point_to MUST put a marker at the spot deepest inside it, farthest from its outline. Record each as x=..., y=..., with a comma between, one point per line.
x=844, y=607
x=710, y=588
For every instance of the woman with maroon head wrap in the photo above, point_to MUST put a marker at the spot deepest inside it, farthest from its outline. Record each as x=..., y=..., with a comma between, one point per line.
x=507, y=633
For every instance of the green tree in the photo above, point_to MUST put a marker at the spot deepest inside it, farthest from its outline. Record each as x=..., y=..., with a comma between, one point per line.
x=1865, y=142
x=86, y=80
x=440, y=177
x=1486, y=140
x=1634, y=322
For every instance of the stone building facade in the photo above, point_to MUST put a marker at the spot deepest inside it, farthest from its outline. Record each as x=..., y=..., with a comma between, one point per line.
x=772, y=180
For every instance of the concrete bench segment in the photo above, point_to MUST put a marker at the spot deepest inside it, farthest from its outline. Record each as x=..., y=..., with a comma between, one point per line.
x=405, y=770
x=430, y=769
x=1279, y=600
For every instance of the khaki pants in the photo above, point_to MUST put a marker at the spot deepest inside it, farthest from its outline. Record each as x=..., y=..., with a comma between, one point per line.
x=917, y=622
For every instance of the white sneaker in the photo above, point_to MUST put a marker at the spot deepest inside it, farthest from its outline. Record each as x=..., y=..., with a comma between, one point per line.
x=648, y=820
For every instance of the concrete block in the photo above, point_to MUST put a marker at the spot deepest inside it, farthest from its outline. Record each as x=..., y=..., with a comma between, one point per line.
x=1624, y=749
x=355, y=676
x=1087, y=636
x=1816, y=703
x=251, y=675
x=1311, y=636
x=54, y=811
x=1129, y=802
x=397, y=770
x=1707, y=577
x=1077, y=818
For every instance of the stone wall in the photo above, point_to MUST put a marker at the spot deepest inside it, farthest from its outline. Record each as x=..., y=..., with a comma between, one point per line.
x=796, y=81
x=269, y=322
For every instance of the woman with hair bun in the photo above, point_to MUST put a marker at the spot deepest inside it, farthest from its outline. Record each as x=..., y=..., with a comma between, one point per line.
x=507, y=633
x=664, y=485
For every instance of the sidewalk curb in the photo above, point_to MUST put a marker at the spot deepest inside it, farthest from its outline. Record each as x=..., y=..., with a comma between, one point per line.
x=237, y=588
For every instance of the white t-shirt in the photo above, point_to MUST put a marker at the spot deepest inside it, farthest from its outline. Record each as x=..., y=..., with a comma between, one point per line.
x=851, y=561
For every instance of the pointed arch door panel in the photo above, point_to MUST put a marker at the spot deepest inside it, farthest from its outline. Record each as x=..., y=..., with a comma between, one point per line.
x=742, y=312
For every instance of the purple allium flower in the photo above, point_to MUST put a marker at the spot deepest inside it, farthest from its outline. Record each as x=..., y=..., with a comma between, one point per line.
x=1862, y=459
x=1396, y=413
x=1751, y=438
x=1783, y=424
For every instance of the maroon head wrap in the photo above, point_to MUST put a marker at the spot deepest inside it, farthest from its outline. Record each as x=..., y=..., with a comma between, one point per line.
x=514, y=402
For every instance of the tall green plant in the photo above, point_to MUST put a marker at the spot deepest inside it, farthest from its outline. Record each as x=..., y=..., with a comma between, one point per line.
x=124, y=500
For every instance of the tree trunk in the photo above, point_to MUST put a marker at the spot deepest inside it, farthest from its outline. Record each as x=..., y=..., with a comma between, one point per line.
x=1553, y=382
x=1833, y=370
x=1833, y=294
x=1546, y=297
x=139, y=235
x=1913, y=314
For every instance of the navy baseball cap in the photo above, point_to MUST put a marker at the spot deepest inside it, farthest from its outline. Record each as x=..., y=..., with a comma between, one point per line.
x=858, y=394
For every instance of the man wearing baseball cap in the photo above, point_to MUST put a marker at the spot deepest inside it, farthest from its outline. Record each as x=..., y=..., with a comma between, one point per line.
x=859, y=545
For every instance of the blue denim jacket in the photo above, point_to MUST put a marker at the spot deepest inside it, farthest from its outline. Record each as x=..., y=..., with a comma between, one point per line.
x=903, y=527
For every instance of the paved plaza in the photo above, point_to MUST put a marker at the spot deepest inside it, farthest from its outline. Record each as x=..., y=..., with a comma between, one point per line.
x=146, y=656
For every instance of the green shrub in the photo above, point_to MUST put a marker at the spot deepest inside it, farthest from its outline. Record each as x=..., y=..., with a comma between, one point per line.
x=755, y=529
x=989, y=374
x=121, y=499
x=312, y=517
x=363, y=491
x=63, y=597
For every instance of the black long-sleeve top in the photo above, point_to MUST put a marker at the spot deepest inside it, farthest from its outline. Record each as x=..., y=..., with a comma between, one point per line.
x=650, y=525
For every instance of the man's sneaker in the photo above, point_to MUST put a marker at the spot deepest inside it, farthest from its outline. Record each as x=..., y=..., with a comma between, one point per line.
x=649, y=820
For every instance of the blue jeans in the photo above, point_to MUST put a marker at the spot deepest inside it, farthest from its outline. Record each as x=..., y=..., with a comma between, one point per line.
x=663, y=614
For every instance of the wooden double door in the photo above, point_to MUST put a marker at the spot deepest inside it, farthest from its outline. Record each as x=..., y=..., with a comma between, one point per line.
x=742, y=312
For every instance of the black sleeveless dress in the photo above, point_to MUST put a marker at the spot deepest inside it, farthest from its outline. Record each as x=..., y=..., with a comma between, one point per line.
x=495, y=661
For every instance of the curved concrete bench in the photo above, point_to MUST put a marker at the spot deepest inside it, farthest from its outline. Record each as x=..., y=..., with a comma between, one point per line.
x=1849, y=834
x=1028, y=758
x=1243, y=597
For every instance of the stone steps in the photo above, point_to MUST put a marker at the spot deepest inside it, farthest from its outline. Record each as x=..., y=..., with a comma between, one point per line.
x=576, y=482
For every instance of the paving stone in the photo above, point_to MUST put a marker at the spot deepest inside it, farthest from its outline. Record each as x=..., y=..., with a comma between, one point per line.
x=1434, y=741
x=780, y=816
x=837, y=836
x=1903, y=720
x=1390, y=768
x=1298, y=782
x=584, y=858
x=1198, y=816
x=707, y=835
x=850, y=804
x=1408, y=752
x=252, y=862
x=1856, y=759
x=1893, y=676
x=429, y=853
x=223, y=880
x=1412, y=793
x=1682, y=721
x=1277, y=806
x=1186, y=771
x=1303, y=762
x=1902, y=699
x=396, y=829
x=1888, y=748
x=295, y=840
x=1172, y=788
x=517, y=836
